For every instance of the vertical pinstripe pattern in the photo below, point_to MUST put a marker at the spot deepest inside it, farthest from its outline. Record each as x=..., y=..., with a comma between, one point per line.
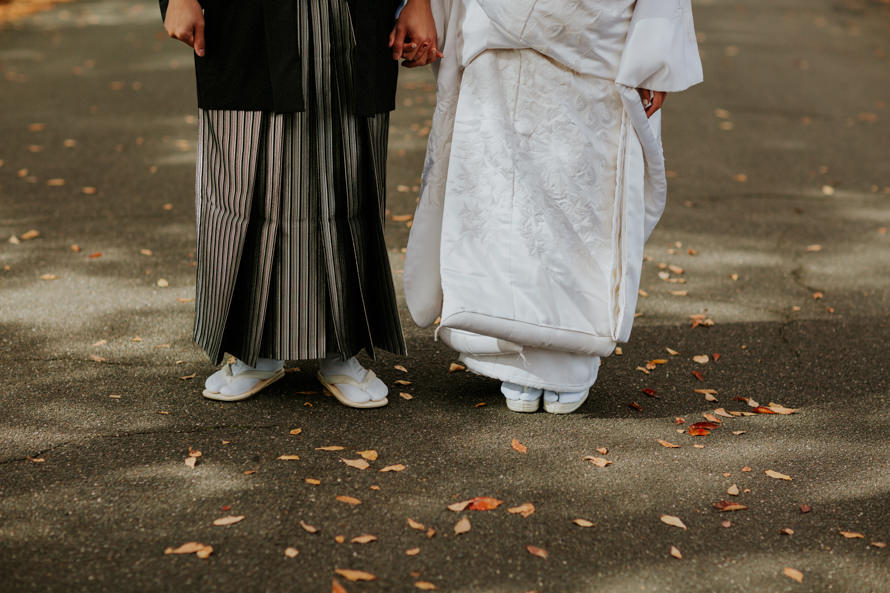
x=291, y=258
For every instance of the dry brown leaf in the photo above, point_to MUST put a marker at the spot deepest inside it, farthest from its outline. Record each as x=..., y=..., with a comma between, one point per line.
x=725, y=506
x=296, y=431
x=339, y=539
x=733, y=490
x=851, y=534
x=198, y=549
x=291, y=552
x=313, y=481
x=738, y=432
x=459, y=506
x=602, y=450
x=416, y=525
x=402, y=382
x=336, y=587
x=308, y=528
x=881, y=545
x=349, y=500
x=668, y=445
x=28, y=235
x=454, y=367
x=596, y=461
x=673, y=521
x=399, y=367
x=330, y=448
x=188, y=377
x=191, y=461
x=356, y=463
x=525, y=509
x=536, y=551
x=230, y=520
x=675, y=552
x=643, y=370
x=97, y=358
x=701, y=359
x=288, y=457
x=406, y=396
x=355, y=575
x=776, y=475
x=425, y=586
x=722, y=412
x=398, y=467
x=412, y=551
x=793, y=574
x=517, y=446
x=462, y=526
x=636, y=406
x=583, y=523
x=805, y=508
x=364, y=539
x=786, y=531
x=370, y=454
x=780, y=409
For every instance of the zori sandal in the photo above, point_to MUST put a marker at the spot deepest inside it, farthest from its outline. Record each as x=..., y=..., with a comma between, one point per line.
x=333, y=383
x=240, y=386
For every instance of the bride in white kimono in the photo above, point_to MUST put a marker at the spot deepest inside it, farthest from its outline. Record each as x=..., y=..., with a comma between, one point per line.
x=544, y=177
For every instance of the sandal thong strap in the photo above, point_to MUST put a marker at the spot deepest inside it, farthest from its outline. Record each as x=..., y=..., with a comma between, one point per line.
x=251, y=374
x=347, y=380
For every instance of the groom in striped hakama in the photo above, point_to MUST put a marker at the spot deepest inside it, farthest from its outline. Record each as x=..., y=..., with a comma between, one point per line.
x=294, y=99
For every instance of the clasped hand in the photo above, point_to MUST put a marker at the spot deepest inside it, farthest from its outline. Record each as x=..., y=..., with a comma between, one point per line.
x=414, y=39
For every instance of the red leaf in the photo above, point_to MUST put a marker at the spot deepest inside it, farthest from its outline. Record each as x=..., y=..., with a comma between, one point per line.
x=763, y=410
x=715, y=356
x=725, y=505
x=698, y=375
x=636, y=406
x=698, y=432
x=650, y=392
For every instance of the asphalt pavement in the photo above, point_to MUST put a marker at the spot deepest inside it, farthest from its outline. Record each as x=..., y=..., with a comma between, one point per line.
x=774, y=246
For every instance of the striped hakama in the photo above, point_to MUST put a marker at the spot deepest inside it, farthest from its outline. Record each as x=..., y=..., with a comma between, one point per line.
x=292, y=263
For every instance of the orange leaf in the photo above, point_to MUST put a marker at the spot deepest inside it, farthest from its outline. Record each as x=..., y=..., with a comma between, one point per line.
x=484, y=503
x=336, y=587
x=793, y=574
x=355, y=575
x=517, y=446
x=698, y=375
x=393, y=468
x=851, y=534
x=725, y=506
x=349, y=500
x=763, y=410
x=668, y=445
x=308, y=528
x=415, y=525
x=536, y=551
x=356, y=463
x=597, y=461
x=364, y=539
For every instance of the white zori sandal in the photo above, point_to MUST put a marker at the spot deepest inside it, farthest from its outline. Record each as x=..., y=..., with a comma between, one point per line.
x=352, y=384
x=564, y=402
x=236, y=380
x=521, y=398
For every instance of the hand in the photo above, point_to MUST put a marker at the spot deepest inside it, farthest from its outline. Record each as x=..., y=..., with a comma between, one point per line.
x=185, y=21
x=652, y=100
x=414, y=37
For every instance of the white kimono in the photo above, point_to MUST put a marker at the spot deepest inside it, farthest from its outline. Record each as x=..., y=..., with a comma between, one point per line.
x=543, y=179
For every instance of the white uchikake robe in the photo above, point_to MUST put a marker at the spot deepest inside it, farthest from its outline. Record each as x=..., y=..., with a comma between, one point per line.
x=543, y=179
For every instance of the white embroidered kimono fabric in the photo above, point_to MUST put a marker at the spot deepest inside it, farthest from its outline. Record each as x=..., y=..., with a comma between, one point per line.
x=543, y=179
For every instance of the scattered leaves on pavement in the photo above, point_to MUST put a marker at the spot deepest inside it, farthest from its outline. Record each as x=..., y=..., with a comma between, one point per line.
x=725, y=506
x=525, y=509
x=793, y=574
x=517, y=446
x=675, y=552
x=776, y=475
x=583, y=523
x=536, y=551
x=673, y=521
x=462, y=526
x=356, y=463
x=355, y=575
x=230, y=520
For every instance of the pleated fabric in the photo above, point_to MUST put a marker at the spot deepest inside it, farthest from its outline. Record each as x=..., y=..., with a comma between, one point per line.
x=292, y=262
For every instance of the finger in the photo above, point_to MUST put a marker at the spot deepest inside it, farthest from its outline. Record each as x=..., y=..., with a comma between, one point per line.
x=658, y=101
x=199, y=39
x=410, y=51
x=186, y=37
x=398, y=45
x=644, y=97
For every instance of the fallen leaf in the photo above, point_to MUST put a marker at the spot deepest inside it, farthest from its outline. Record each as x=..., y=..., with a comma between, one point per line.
x=711, y=418
x=308, y=528
x=402, y=217
x=416, y=525
x=725, y=506
x=722, y=412
x=596, y=461
x=398, y=467
x=336, y=587
x=370, y=454
x=355, y=575
x=28, y=235
x=288, y=457
x=881, y=545
x=35, y=459
x=312, y=481
x=746, y=469
x=462, y=526
x=636, y=406
x=200, y=550
x=525, y=509
x=162, y=282
x=715, y=356
x=701, y=358
x=295, y=431
x=517, y=446
x=425, y=586
x=672, y=352
x=642, y=370
x=458, y=506
x=583, y=523
x=675, y=552
x=776, y=475
x=97, y=358
x=230, y=520
x=733, y=490
x=249, y=472
x=698, y=375
x=356, y=463
x=330, y=448
x=668, y=445
x=364, y=539
x=339, y=539
x=484, y=503
x=851, y=534
x=786, y=531
x=602, y=450
x=291, y=552
x=780, y=409
x=536, y=551
x=793, y=574
x=406, y=396
x=188, y=377
x=738, y=432
x=412, y=551
x=349, y=500
x=399, y=367
x=454, y=367
x=402, y=382
x=672, y=520
x=191, y=461
x=814, y=248
x=49, y=277
x=763, y=410
x=650, y=392
x=805, y=508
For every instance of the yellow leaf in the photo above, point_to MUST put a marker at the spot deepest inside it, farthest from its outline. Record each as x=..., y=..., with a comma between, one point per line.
x=313, y=481
x=370, y=454
x=412, y=551
x=364, y=539
x=851, y=534
x=793, y=574
x=673, y=521
x=296, y=431
x=355, y=575
x=398, y=467
x=425, y=586
x=288, y=457
x=524, y=509
x=462, y=526
x=356, y=463
x=349, y=500
x=777, y=475
x=416, y=525
x=230, y=520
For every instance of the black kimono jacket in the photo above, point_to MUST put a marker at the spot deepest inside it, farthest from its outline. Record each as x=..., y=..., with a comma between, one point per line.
x=253, y=62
